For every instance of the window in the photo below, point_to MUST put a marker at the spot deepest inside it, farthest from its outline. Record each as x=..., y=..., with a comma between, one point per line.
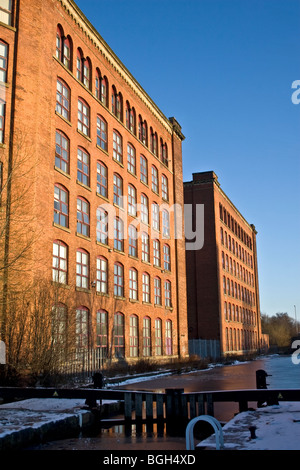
x=82, y=269
x=104, y=88
x=61, y=206
x=82, y=327
x=144, y=169
x=119, y=335
x=2, y=120
x=131, y=200
x=66, y=56
x=102, y=226
x=117, y=104
x=130, y=118
x=133, y=336
x=79, y=64
x=3, y=61
x=83, y=217
x=102, y=188
x=164, y=188
x=101, y=275
x=83, y=124
x=144, y=209
x=117, y=147
x=154, y=178
x=156, y=253
x=143, y=131
x=102, y=332
x=63, y=96
x=168, y=302
x=59, y=36
x=59, y=325
x=169, y=343
x=98, y=84
x=60, y=262
x=167, y=258
x=132, y=242
x=6, y=11
x=131, y=160
x=62, y=151
x=155, y=216
x=83, y=167
x=118, y=190
x=133, y=284
x=158, y=337
x=87, y=73
x=153, y=142
x=157, y=291
x=118, y=234
x=101, y=133
x=145, y=247
x=118, y=280
x=164, y=153
x=146, y=336
x=166, y=223
x=146, y=287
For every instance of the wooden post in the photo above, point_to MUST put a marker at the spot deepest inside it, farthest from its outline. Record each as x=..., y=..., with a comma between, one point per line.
x=210, y=404
x=138, y=406
x=128, y=406
x=201, y=409
x=192, y=406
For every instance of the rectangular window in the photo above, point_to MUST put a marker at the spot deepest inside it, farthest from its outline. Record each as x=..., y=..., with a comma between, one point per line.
x=146, y=287
x=6, y=11
x=3, y=61
x=158, y=337
x=167, y=258
x=118, y=234
x=155, y=216
x=156, y=253
x=145, y=247
x=83, y=217
x=166, y=223
x=164, y=188
x=131, y=200
x=169, y=348
x=132, y=242
x=154, y=175
x=144, y=209
x=119, y=335
x=157, y=291
x=133, y=336
x=168, y=302
x=2, y=120
x=133, y=284
x=101, y=332
x=118, y=190
x=61, y=206
x=60, y=262
x=118, y=280
x=143, y=170
x=131, y=161
x=83, y=118
x=82, y=327
x=146, y=336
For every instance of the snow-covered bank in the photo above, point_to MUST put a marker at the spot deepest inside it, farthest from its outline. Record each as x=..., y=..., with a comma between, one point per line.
x=277, y=427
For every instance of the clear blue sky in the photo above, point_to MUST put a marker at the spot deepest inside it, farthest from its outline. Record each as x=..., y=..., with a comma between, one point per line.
x=224, y=69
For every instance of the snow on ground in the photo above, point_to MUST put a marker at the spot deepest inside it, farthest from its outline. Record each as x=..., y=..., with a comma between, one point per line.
x=277, y=428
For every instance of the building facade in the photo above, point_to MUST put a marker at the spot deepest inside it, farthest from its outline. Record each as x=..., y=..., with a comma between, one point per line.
x=222, y=276
x=105, y=169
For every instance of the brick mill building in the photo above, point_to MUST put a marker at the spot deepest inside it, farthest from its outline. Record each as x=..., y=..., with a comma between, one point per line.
x=105, y=169
x=222, y=276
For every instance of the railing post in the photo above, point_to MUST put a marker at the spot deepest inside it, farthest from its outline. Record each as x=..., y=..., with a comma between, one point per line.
x=210, y=404
x=174, y=413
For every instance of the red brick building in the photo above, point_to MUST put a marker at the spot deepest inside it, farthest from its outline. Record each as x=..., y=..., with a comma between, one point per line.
x=222, y=276
x=105, y=168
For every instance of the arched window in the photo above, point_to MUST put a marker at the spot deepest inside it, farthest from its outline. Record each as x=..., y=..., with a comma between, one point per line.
x=83, y=217
x=156, y=252
x=102, y=332
x=164, y=153
x=67, y=52
x=131, y=159
x=146, y=287
x=143, y=134
x=59, y=42
x=167, y=258
x=2, y=120
x=154, y=179
x=157, y=291
x=102, y=226
x=133, y=284
x=102, y=185
x=132, y=200
x=118, y=280
x=119, y=334
x=133, y=336
x=169, y=342
x=63, y=99
x=101, y=132
x=158, y=337
x=118, y=234
x=117, y=147
x=130, y=118
x=168, y=294
x=144, y=209
x=79, y=65
x=118, y=190
x=155, y=216
x=164, y=187
x=101, y=275
x=60, y=262
x=166, y=223
x=117, y=104
x=145, y=247
x=87, y=73
x=62, y=152
x=153, y=141
x=83, y=166
x=82, y=327
x=132, y=240
x=104, y=90
x=146, y=336
x=82, y=269
x=61, y=206
x=59, y=325
x=83, y=122
x=143, y=169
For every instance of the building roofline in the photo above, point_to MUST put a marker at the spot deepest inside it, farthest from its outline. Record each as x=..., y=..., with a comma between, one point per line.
x=109, y=54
